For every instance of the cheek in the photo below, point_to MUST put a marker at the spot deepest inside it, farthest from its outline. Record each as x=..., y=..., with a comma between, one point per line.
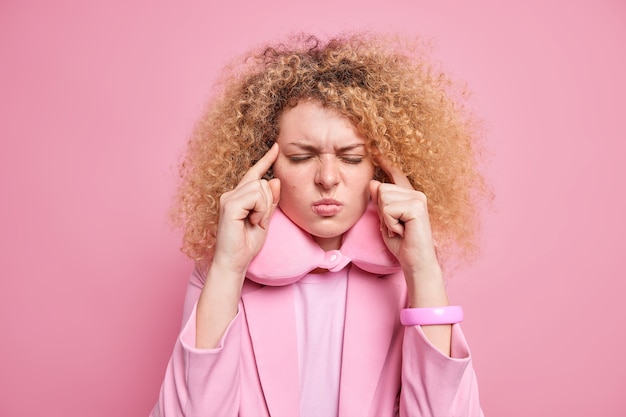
x=285, y=177
x=283, y=169
x=363, y=182
x=289, y=180
x=278, y=170
x=365, y=175
x=289, y=173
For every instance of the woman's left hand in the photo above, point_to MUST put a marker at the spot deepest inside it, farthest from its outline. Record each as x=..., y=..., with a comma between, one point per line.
x=405, y=224
x=405, y=227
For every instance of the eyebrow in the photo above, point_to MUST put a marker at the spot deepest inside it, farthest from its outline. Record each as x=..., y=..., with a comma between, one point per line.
x=312, y=148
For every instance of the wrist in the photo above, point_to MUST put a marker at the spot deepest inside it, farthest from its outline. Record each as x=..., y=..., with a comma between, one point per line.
x=428, y=273
x=225, y=265
x=426, y=288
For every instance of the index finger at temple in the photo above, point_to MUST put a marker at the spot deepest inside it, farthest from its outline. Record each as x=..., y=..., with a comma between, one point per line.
x=395, y=174
x=258, y=170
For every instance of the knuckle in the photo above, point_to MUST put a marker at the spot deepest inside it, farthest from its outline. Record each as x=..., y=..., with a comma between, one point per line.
x=225, y=197
x=420, y=197
x=226, y=202
x=421, y=204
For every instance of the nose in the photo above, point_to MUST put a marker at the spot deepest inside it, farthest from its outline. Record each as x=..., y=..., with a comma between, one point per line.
x=327, y=175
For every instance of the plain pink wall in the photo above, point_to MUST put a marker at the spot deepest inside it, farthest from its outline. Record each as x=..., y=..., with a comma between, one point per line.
x=95, y=104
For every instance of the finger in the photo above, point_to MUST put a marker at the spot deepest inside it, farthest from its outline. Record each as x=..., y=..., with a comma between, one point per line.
x=262, y=205
x=391, y=217
x=388, y=226
x=274, y=186
x=258, y=170
x=374, y=185
x=265, y=205
x=395, y=174
x=392, y=193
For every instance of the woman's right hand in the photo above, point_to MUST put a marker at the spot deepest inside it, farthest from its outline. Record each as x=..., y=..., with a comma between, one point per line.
x=245, y=212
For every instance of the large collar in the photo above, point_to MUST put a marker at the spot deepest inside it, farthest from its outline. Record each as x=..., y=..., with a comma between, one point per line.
x=289, y=253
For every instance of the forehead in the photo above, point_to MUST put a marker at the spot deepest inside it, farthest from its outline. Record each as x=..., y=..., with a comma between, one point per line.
x=311, y=123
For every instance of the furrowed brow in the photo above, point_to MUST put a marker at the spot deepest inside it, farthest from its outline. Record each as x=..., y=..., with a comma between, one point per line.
x=343, y=149
x=348, y=148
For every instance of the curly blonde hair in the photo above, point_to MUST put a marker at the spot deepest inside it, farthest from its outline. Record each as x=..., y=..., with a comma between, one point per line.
x=385, y=85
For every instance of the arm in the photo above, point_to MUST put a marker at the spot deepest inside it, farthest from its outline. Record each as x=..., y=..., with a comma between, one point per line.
x=437, y=375
x=244, y=214
x=405, y=227
x=202, y=377
x=434, y=384
x=201, y=381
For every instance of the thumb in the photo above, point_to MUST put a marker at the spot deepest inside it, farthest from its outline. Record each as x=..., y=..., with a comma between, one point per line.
x=374, y=184
x=274, y=184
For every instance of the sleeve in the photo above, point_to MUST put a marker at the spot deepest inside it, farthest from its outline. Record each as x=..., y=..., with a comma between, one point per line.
x=434, y=384
x=201, y=381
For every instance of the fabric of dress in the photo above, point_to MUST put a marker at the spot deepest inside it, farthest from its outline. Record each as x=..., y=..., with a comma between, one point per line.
x=320, y=306
x=386, y=369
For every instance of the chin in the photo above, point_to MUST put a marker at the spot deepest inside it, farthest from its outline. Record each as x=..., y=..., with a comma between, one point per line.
x=330, y=231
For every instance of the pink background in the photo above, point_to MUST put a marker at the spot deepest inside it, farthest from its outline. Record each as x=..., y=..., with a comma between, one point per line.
x=96, y=102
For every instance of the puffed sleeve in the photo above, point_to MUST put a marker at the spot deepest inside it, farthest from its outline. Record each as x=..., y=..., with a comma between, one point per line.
x=433, y=384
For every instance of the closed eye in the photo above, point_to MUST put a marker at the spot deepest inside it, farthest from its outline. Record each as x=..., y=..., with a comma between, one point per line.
x=352, y=159
x=299, y=158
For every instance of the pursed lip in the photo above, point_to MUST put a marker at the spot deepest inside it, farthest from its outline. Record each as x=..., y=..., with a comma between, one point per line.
x=327, y=202
x=326, y=207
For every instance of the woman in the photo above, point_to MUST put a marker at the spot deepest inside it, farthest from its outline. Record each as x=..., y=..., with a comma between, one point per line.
x=322, y=192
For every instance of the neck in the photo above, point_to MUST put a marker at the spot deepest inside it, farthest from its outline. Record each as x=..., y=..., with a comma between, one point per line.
x=329, y=243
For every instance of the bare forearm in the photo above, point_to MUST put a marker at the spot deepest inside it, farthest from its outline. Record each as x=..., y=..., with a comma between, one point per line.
x=427, y=289
x=244, y=214
x=217, y=306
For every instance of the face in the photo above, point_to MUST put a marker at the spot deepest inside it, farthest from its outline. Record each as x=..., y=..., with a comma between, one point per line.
x=324, y=171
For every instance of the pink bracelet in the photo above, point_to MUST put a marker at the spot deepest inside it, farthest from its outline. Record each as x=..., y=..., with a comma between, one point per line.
x=431, y=315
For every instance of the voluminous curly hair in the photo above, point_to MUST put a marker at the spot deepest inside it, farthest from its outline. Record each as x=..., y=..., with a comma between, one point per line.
x=404, y=107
